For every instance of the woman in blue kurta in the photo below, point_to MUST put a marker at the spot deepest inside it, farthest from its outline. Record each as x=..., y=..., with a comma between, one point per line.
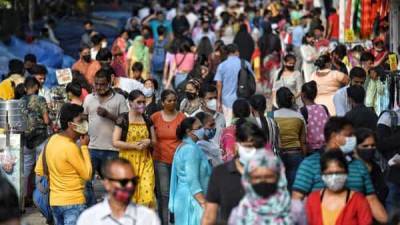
x=190, y=173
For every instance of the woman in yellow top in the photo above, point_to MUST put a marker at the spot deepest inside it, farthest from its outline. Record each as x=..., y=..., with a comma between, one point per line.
x=132, y=135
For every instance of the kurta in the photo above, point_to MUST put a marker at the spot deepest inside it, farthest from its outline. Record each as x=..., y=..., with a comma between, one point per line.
x=142, y=164
x=189, y=176
x=327, y=86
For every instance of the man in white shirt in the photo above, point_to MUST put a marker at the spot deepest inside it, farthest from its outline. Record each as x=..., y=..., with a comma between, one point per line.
x=340, y=99
x=120, y=182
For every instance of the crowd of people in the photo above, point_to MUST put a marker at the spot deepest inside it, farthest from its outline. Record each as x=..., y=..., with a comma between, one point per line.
x=158, y=118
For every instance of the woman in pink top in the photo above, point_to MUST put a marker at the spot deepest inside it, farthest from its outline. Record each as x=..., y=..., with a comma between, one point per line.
x=241, y=110
x=182, y=64
x=328, y=82
x=119, y=52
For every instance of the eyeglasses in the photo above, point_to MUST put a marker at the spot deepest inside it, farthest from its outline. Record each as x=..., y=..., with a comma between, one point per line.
x=124, y=182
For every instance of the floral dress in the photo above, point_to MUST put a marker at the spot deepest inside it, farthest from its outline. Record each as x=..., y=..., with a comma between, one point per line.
x=142, y=164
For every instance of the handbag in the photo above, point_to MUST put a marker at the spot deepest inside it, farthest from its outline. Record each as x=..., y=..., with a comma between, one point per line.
x=41, y=194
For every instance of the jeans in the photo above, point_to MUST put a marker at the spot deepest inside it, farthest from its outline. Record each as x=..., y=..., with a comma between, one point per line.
x=30, y=158
x=393, y=198
x=163, y=176
x=292, y=161
x=67, y=215
x=179, y=78
x=98, y=157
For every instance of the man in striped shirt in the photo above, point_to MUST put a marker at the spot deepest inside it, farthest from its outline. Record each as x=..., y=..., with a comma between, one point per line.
x=308, y=176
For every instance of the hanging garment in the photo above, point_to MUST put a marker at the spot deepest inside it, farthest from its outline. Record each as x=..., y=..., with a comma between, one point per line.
x=357, y=17
x=348, y=17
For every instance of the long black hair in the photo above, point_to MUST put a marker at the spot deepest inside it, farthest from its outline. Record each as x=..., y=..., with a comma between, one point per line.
x=285, y=59
x=186, y=124
x=246, y=130
x=259, y=104
x=284, y=98
x=310, y=90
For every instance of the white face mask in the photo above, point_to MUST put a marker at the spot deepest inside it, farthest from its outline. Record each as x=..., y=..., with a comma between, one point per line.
x=245, y=153
x=212, y=104
x=103, y=44
x=148, y=92
x=82, y=128
x=334, y=182
x=349, y=146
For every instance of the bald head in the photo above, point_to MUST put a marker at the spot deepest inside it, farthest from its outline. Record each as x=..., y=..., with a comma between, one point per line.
x=117, y=168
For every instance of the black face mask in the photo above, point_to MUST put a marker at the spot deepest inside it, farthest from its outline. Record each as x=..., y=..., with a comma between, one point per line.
x=366, y=154
x=265, y=190
x=290, y=68
x=191, y=96
x=86, y=58
x=89, y=31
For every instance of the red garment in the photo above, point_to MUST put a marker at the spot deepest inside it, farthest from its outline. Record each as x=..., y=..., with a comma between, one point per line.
x=356, y=211
x=334, y=23
x=84, y=94
x=321, y=43
x=367, y=20
x=348, y=15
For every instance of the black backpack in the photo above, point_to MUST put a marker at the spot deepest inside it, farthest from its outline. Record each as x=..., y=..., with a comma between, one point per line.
x=246, y=82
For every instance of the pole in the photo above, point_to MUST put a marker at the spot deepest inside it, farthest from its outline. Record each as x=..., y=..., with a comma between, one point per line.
x=342, y=14
x=31, y=8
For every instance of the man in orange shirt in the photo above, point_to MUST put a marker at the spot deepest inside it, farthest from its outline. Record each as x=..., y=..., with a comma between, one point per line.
x=82, y=65
x=103, y=58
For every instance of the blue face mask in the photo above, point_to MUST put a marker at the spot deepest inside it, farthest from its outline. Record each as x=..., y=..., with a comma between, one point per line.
x=199, y=133
x=210, y=132
x=350, y=144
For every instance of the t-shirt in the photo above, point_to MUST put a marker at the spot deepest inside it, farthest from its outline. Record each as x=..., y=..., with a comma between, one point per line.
x=154, y=24
x=225, y=188
x=34, y=108
x=184, y=62
x=227, y=73
x=292, y=128
x=69, y=168
x=165, y=132
x=100, y=128
x=308, y=176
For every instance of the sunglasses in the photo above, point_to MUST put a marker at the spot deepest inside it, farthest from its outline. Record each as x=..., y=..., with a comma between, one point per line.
x=124, y=182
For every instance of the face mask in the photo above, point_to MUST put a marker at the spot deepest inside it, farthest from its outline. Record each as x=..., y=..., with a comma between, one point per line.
x=103, y=44
x=140, y=108
x=89, y=31
x=210, y=132
x=81, y=128
x=212, y=104
x=349, y=146
x=264, y=190
x=245, y=153
x=366, y=154
x=123, y=194
x=334, y=182
x=290, y=68
x=199, y=133
x=191, y=96
x=86, y=58
x=148, y=92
